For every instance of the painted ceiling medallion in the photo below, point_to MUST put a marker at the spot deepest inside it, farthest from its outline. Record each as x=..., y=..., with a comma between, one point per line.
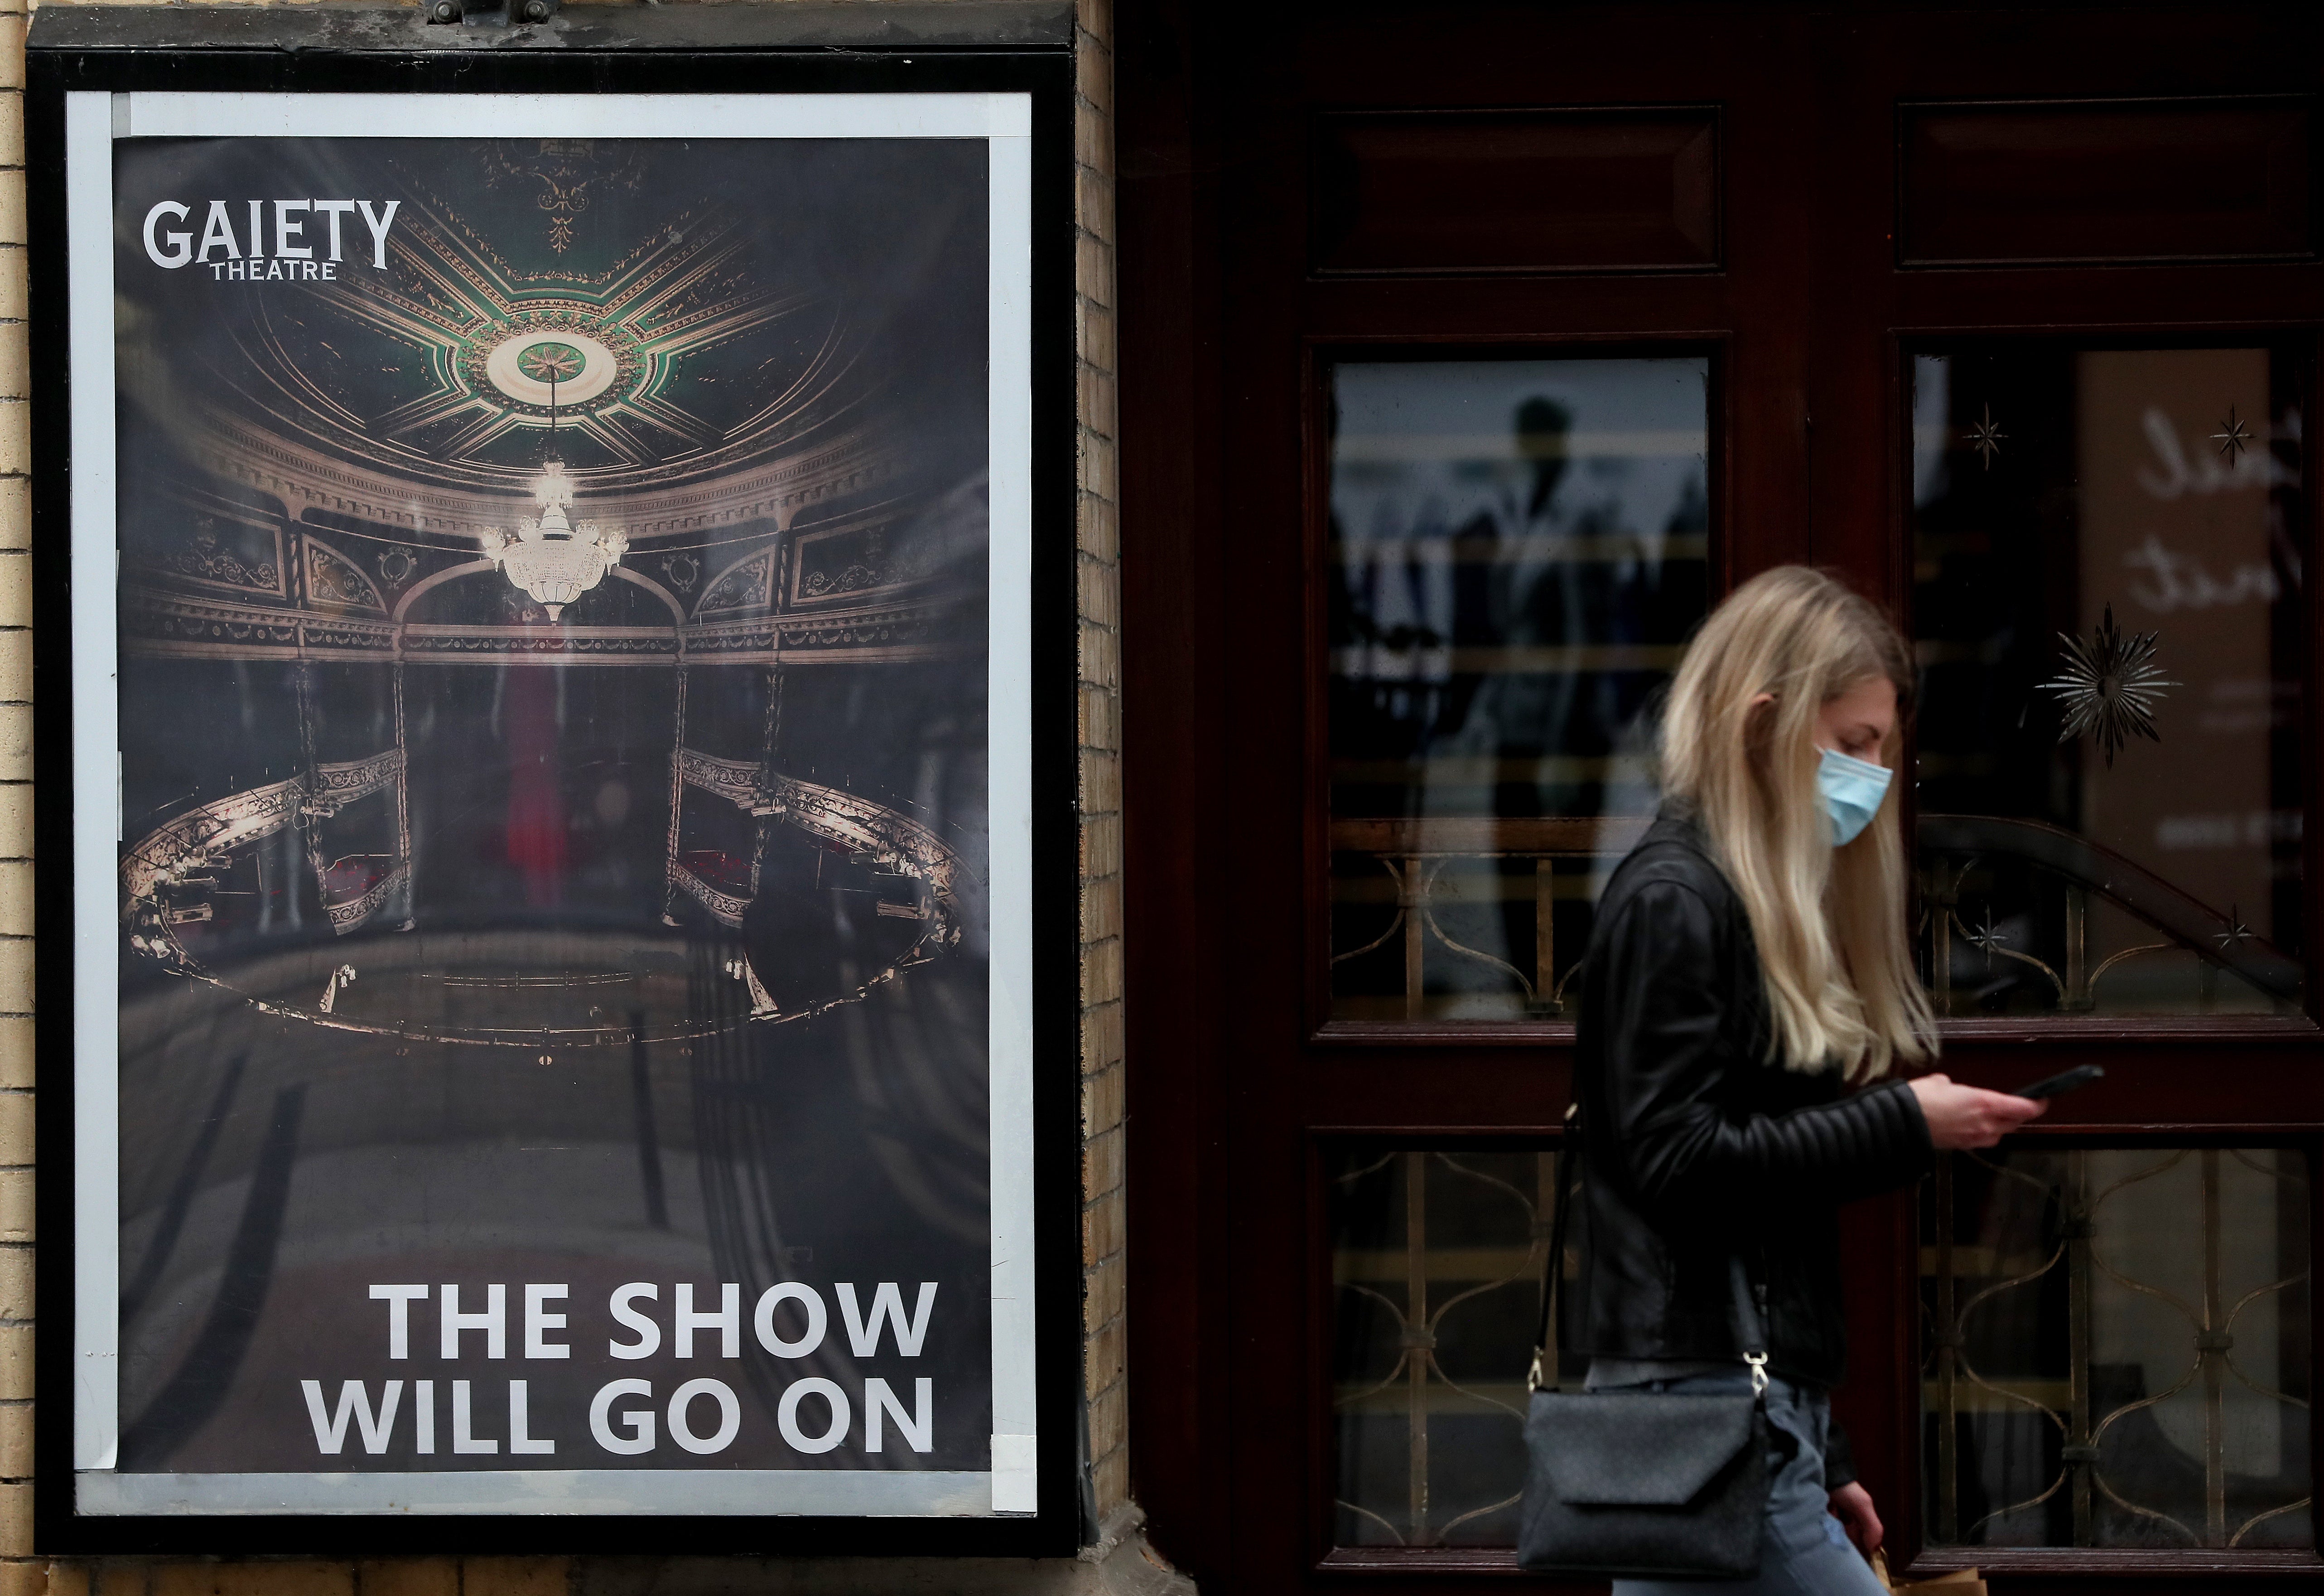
x=2109, y=687
x=551, y=362
x=1987, y=438
x=526, y=363
x=550, y=557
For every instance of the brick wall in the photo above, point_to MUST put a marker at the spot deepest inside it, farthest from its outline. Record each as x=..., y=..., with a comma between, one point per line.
x=1120, y=1562
x=1104, y=1327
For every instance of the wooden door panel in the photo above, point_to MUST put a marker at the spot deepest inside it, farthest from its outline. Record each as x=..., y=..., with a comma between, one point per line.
x=1385, y=310
x=2124, y=180
x=1516, y=191
x=2189, y=1082
x=1284, y=325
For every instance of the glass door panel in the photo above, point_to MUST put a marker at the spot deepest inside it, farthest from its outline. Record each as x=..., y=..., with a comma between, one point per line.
x=2109, y=551
x=1437, y=1259
x=1518, y=550
x=2118, y=1348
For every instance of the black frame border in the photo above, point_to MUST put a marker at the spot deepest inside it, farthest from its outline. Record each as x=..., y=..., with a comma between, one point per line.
x=1046, y=74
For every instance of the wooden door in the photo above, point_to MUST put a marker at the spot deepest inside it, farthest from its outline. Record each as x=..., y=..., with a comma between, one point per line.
x=1468, y=358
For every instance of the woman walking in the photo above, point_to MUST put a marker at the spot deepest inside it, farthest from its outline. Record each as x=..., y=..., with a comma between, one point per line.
x=1748, y=988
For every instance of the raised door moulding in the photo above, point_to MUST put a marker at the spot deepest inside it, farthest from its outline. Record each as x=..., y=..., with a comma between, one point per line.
x=1620, y=188
x=2027, y=182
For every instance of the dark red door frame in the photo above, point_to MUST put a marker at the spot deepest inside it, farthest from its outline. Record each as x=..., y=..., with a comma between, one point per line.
x=1219, y=324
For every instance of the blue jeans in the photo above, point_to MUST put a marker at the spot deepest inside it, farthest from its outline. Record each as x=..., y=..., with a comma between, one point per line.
x=1806, y=1552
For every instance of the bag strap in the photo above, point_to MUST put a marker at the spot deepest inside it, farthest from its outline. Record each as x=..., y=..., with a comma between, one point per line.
x=1750, y=1334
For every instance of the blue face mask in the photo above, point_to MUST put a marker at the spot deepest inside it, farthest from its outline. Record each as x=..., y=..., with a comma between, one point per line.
x=1850, y=791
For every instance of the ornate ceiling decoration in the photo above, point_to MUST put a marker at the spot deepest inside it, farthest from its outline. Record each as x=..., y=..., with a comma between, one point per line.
x=680, y=346
x=566, y=175
x=731, y=343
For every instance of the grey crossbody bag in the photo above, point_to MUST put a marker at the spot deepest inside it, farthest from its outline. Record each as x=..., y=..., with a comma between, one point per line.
x=1642, y=1484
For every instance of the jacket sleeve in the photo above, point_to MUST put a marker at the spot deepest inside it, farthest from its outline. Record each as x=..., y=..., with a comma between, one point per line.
x=1667, y=1046
x=1839, y=1459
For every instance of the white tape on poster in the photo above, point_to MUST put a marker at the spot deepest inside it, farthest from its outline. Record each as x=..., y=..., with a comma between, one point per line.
x=96, y=787
x=1016, y=1474
x=1010, y=686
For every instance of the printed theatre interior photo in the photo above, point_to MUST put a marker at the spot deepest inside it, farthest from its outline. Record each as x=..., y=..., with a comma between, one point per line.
x=553, y=640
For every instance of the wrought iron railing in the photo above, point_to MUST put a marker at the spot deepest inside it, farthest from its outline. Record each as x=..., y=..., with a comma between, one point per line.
x=1415, y=855
x=2036, y=910
x=2055, y=879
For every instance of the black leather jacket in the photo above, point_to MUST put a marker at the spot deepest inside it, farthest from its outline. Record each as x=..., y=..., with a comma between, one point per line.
x=1693, y=1144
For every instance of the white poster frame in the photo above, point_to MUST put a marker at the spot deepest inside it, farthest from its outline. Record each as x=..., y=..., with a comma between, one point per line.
x=94, y=121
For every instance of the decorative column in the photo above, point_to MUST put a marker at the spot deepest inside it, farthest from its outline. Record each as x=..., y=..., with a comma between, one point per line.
x=403, y=804
x=677, y=796
x=311, y=812
x=770, y=738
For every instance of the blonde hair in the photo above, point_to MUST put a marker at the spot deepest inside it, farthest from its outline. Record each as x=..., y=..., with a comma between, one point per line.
x=1829, y=922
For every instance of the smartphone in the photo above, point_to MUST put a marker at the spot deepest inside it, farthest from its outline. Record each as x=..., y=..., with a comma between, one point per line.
x=2058, y=1084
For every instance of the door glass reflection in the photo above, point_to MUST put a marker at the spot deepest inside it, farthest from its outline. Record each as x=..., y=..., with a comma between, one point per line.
x=2117, y=1348
x=2109, y=549
x=1518, y=550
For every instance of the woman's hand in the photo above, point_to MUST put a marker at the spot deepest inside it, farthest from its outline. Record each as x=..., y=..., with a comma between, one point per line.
x=1962, y=1116
x=1852, y=1504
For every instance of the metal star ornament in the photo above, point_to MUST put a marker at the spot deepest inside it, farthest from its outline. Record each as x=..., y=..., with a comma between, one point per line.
x=1987, y=438
x=2109, y=687
x=2233, y=437
x=1985, y=935
x=2236, y=933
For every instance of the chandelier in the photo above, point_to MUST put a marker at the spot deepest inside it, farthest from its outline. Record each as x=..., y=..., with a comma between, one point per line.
x=550, y=555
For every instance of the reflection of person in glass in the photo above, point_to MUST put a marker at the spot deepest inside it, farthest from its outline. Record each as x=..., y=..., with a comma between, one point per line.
x=1747, y=979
